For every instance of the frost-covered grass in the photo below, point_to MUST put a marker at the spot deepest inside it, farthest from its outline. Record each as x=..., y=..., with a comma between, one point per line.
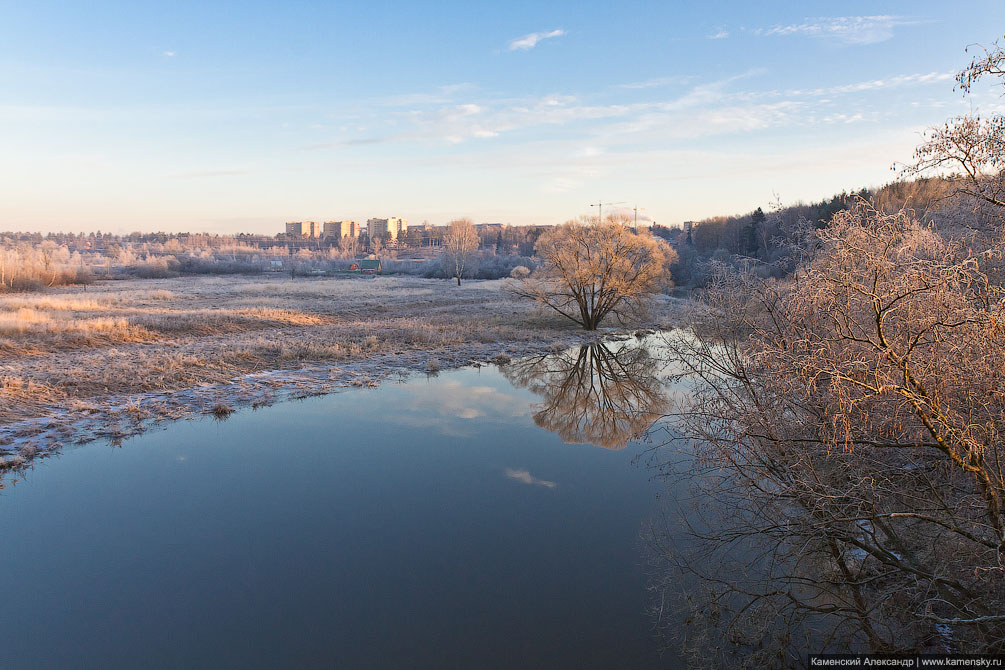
x=115, y=338
x=109, y=359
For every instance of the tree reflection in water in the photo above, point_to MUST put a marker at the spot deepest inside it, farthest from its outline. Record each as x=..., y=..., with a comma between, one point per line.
x=596, y=395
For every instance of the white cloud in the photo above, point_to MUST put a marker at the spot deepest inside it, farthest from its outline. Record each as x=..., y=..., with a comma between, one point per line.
x=719, y=35
x=169, y=54
x=846, y=29
x=530, y=41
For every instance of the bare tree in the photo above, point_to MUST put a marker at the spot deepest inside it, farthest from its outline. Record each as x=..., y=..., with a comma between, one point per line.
x=459, y=245
x=969, y=149
x=591, y=271
x=350, y=246
x=848, y=423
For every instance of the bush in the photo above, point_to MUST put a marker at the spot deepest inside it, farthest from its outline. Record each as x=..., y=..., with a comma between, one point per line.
x=520, y=272
x=214, y=266
x=157, y=268
x=483, y=266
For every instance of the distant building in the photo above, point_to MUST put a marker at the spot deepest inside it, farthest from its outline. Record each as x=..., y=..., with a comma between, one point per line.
x=393, y=226
x=340, y=229
x=370, y=266
x=489, y=226
x=303, y=229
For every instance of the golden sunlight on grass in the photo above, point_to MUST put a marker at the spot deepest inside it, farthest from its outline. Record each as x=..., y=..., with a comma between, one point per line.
x=86, y=346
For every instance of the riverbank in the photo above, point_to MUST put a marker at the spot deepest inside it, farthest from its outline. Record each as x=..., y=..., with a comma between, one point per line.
x=113, y=359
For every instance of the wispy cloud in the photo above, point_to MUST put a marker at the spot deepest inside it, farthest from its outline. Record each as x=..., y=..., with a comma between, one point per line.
x=876, y=84
x=593, y=132
x=525, y=477
x=491, y=118
x=530, y=41
x=169, y=54
x=657, y=82
x=440, y=95
x=719, y=35
x=846, y=29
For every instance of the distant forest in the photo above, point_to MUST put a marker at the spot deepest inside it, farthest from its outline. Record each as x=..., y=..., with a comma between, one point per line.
x=767, y=240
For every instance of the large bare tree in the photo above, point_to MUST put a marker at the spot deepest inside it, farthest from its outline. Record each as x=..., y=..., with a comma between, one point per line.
x=969, y=149
x=459, y=245
x=590, y=271
x=846, y=430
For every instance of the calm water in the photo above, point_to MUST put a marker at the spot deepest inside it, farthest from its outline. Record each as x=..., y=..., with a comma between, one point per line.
x=430, y=523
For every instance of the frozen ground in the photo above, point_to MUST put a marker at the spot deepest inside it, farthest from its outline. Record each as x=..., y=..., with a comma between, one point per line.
x=113, y=359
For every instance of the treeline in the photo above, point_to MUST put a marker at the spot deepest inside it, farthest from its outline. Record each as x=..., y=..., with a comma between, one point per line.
x=766, y=240
x=501, y=239
x=305, y=262
x=36, y=265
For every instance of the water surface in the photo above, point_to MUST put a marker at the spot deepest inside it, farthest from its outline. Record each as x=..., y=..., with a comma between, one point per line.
x=430, y=523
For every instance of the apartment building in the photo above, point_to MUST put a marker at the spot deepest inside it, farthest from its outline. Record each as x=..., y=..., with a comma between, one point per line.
x=393, y=226
x=340, y=229
x=303, y=229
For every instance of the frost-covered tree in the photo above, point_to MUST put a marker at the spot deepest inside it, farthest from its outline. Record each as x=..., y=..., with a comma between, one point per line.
x=846, y=427
x=971, y=148
x=590, y=271
x=459, y=246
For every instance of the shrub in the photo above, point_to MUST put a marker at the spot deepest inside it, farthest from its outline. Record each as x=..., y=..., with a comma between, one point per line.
x=520, y=272
x=157, y=268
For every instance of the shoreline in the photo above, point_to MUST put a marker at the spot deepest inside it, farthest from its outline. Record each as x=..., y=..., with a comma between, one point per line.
x=122, y=417
x=459, y=328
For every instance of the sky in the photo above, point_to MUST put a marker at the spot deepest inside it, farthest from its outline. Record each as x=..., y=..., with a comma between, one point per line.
x=230, y=117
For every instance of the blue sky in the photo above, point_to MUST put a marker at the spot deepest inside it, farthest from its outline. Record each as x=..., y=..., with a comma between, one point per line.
x=237, y=116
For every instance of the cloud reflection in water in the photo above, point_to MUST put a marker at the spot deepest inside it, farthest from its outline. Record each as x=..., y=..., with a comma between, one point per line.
x=525, y=477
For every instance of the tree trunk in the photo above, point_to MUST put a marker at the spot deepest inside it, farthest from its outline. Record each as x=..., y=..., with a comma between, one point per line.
x=458, y=280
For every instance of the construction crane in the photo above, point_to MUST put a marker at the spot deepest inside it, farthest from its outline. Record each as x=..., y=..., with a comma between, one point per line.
x=636, y=210
x=600, y=209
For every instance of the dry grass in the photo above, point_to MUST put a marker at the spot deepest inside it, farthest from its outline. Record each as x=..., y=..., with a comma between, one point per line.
x=87, y=347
